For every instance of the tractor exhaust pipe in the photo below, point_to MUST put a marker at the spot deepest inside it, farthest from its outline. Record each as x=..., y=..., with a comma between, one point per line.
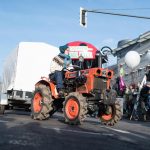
x=98, y=54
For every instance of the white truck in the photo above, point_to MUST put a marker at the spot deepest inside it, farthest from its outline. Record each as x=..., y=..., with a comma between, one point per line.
x=22, y=69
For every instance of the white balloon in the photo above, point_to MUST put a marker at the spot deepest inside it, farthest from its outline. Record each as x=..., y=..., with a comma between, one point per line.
x=132, y=59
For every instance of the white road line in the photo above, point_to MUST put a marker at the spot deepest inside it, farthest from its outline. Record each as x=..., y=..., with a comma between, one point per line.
x=3, y=121
x=83, y=132
x=117, y=130
x=126, y=132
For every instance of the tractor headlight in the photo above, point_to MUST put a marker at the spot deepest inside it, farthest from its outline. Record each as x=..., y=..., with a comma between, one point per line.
x=109, y=74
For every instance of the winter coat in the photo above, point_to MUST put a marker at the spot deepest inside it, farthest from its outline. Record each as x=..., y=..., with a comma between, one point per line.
x=148, y=76
x=59, y=62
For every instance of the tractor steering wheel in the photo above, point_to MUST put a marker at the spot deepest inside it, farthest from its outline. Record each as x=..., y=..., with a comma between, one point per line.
x=74, y=68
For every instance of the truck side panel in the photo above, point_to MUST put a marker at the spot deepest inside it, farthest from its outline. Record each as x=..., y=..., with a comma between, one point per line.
x=26, y=65
x=23, y=68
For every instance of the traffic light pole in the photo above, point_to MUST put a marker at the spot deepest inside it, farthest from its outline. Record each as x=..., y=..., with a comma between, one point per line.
x=83, y=15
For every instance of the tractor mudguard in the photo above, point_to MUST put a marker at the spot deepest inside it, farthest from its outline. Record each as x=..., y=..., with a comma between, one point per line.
x=109, y=96
x=51, y=85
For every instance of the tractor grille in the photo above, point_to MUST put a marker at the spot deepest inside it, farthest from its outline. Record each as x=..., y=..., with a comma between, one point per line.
x=99, y=83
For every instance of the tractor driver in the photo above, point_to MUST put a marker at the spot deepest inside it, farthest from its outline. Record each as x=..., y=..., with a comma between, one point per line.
x=58, y=64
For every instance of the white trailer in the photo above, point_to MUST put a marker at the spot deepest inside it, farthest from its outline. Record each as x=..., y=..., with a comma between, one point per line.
x=22, y=69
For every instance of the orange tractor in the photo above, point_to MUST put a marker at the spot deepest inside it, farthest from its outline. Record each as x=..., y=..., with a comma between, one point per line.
x=87, y=89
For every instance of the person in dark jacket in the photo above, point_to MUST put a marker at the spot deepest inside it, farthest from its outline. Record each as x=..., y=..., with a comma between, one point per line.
x=145, y=96
x=148, y=76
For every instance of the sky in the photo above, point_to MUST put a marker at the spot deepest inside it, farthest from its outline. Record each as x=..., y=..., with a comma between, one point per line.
x=56, y=22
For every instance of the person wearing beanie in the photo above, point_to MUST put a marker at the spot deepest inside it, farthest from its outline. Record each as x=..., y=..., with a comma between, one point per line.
x=60, y=62
x=63, y=48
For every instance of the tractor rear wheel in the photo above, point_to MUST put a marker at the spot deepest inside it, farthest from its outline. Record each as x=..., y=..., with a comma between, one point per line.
x=41, y=104
x=111, y=114
x=74, y=108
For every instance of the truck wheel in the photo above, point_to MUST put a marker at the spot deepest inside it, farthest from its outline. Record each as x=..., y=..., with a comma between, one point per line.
x=2, y=109
x=110, y=114
x=74, y=108
x=41, y=103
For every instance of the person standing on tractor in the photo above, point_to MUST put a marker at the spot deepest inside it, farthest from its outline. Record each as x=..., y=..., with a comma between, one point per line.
x=58, y=64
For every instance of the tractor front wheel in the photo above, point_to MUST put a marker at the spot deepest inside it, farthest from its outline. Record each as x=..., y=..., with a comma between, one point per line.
x=74, y=108
x=110, y=114
x=41, y=104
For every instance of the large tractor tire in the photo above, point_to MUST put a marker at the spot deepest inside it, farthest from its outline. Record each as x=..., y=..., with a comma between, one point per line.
x=74, y=108
x=2, y=109
x=41, y=104
x=110, y=114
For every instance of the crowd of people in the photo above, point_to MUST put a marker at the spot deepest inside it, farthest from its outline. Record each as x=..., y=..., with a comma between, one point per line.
x=136, y=97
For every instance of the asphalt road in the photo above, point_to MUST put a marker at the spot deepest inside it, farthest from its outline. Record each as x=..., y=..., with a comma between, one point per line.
x=19, y=132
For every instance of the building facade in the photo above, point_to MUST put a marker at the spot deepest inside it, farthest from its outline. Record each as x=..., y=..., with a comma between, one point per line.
x=141, y=45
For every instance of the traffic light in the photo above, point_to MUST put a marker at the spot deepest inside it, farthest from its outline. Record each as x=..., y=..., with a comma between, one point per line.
x=83, y=17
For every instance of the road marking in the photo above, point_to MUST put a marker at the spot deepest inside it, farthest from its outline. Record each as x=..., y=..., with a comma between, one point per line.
x=126, y=132
x=117, y=130
x=83, y=132
x=3, y=121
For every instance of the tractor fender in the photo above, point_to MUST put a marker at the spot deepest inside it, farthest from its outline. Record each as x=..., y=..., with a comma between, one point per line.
x=51, y=85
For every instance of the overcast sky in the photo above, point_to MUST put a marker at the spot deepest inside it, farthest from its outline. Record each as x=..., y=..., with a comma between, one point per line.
x=56, y=22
